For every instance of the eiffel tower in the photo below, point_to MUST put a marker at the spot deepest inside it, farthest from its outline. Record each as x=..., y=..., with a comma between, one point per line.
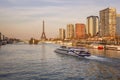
x=43, y=36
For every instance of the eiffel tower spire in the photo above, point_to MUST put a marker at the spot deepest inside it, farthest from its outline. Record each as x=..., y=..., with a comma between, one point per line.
x=43, y=36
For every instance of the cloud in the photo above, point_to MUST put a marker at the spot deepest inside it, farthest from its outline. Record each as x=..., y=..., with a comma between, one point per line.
x=28, y=14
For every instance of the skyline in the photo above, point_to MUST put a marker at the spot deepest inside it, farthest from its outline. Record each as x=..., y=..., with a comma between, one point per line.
x=23, y=18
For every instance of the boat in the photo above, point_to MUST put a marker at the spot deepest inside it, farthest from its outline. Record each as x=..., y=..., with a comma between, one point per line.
x=74, y=51
x=97, y=46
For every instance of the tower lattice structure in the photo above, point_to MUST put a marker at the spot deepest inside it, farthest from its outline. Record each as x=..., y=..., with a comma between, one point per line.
x=43, y=36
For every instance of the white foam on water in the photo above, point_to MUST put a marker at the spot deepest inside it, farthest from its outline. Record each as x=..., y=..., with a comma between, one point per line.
x=92, y=57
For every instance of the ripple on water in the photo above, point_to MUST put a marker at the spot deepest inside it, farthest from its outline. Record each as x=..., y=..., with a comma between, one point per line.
x=25, y=62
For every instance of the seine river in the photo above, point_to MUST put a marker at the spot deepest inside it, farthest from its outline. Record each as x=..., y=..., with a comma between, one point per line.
x=40, y=62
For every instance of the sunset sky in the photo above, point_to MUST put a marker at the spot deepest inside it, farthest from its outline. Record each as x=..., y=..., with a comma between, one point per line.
x=23, y=18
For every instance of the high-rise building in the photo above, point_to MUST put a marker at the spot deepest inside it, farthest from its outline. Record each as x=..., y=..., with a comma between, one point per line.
x=79, y=31
x=118, y=24
x=61, y=34
x=92, y=27
x=108, y=22
x=70, y=31
x=0, y=36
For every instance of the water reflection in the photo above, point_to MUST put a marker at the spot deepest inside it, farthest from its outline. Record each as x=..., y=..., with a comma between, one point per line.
x=106, y=53
x=43, y=52
x=112, y=54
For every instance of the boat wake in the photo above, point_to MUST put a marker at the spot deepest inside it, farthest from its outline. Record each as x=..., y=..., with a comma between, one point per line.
x=98, y=58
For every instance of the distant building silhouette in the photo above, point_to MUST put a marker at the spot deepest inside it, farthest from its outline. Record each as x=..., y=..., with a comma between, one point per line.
x=70, y=31
x=33, y=41
x=0, y=36
x=61, y=34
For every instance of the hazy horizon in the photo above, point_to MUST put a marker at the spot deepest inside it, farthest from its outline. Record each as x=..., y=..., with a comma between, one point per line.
x=23, y=18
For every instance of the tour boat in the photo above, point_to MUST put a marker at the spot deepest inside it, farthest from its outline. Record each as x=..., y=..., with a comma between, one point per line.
x=79, y=52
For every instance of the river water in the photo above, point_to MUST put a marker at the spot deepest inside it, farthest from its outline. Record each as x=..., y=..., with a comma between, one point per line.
x=40, y=62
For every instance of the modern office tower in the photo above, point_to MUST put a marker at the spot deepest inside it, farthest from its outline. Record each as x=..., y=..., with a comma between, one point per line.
x=108, y=22
x=80, y=30
x=70, y=31
x=3, y=37
x=0, y=36
x=92, y=27
x=61, y=34
x=118, y=24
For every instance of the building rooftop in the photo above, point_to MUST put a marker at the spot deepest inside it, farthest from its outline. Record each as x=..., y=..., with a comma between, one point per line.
x=92, y=16
x=108, y=8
